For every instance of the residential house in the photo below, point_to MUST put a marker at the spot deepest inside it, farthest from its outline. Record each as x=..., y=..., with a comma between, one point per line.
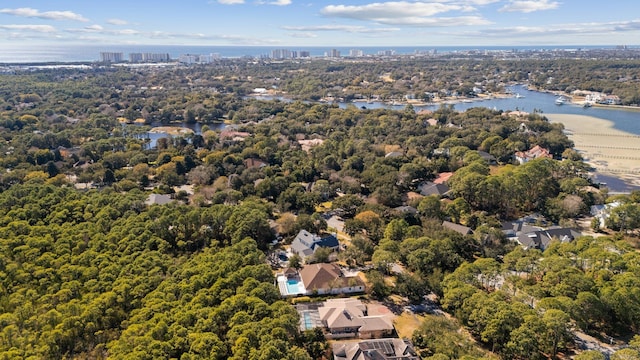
x=457, y=228
x=534, y=153
x=406, y=209
x=306, y=145
x=611, y=100
x=306, y=244
x=348, y=317
x=518, y=114
x=232, y=136
x=603, y=212
x=394, y=154
x=432, y=122
x=252, y=163
x=490, y=159
x=443, y=177
x=424, y=112
x=431, y=188
x=328, y=279
x=378, y=349
x=542, y=238
x=512, y=229
x=158, y=199
x=69, y=152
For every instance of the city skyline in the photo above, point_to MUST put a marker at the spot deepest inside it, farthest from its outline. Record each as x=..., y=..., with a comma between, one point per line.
x=344, y=23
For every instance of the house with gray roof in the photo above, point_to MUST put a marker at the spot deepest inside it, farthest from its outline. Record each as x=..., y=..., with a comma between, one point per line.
x=542, y=238
x=306, y=244
x=158, y=199
x=377, y=349
x=464, y=230
x=431, y=188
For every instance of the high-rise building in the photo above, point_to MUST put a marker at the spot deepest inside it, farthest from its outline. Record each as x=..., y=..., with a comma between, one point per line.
x=333, y=53
x=155, y=57
x=148, y=57
x=205, y=59
x=305, y=54
x=356, y=53
x=188, y=59
x=135, y=57
x=281, y=54
x=386, y=52
x=111, y=57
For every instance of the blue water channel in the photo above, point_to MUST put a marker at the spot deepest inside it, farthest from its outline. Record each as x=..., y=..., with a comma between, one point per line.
x=624, y=119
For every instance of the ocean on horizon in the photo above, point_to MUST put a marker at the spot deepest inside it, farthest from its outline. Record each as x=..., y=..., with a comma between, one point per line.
x=91, y=53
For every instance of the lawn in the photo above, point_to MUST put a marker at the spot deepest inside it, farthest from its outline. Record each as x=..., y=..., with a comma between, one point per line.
x=407, y=323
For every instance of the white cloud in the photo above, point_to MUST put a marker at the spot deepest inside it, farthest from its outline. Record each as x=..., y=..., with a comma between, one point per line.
x=94, y=28
x=527, y=6
x=232, y=39
x=418, y=14
x=97, y=29
x=394, y=9
x=438, y=22
x=49, y=15
x=564, y=30
x=35, y=28
x=230, y=2
x=303, y=35
x=117, y=22
x=345, y=28
x=281, y=2
x=273, y=2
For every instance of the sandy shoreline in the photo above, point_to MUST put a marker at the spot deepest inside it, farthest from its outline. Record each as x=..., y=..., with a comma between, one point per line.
x=609, y=150
x=171, y=130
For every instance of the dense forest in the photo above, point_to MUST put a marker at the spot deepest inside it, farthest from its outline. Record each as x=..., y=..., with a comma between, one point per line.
x=89, y=270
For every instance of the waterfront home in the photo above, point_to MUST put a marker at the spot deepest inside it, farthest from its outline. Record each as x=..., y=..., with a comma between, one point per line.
x=534, y=153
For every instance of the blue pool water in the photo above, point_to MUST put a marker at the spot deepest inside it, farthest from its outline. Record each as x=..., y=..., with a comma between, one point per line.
x=295, y=286
x=308, y=323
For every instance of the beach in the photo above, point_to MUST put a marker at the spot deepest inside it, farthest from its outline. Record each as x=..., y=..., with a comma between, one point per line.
x=608, y=150
x=172, y=130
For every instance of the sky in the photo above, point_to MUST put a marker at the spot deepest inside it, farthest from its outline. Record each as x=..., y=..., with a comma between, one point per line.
x=320, y=23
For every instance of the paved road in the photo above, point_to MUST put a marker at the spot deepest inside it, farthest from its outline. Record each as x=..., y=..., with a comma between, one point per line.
x=587, y=342
x=335, y=223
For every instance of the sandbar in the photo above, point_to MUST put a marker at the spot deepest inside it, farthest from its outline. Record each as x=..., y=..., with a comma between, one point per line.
x=171, y=130
x=608, y=150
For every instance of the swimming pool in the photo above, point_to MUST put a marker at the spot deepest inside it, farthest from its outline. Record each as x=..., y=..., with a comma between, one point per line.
x=307, y=322
x=295, y=286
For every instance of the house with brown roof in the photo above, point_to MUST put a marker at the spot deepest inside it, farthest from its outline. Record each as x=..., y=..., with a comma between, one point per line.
x=432, y=122
x=308, y=144
x=232, y=136
x=349, y=317
x=443, y=177
x=328, y=279
x=252, y=163
x=534, y=153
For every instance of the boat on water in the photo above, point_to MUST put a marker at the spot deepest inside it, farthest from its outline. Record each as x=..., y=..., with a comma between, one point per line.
x=518, y=96
x=586, y=104
x=560, y=100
